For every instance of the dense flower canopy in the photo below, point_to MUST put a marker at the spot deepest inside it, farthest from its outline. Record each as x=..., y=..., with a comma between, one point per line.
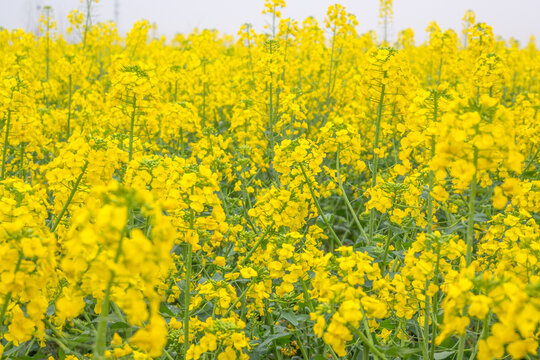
x=304, y=193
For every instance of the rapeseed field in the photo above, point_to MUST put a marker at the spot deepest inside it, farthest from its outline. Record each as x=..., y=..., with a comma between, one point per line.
x=305, y=192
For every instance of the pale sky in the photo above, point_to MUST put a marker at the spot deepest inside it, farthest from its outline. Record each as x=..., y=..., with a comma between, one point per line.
x=518, y=18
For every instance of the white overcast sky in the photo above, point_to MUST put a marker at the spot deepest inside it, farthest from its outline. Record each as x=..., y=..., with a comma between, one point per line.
x=509, y=18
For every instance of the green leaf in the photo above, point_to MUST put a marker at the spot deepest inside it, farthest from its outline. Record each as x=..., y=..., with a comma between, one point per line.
x=388, y=324
x=293, y=318
x=61, y=354
x=119, y=325
x=269, y=339
x=442, y=355
x=400, y=351
x=164, y=309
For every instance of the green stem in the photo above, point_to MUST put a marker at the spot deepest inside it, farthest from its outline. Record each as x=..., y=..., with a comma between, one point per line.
x=67, y=349
x=167, y=355
x=376, y=157
x=21, y=165
x=132, y=126
x=376, y=352
x=470, y=220
x=7, y=298
x=435, y=302
x=425, y=338
x=187, y=297
x=87, y=25
x=385, y=255
x=483, y=336
x=101, y=335
x=344, y=194
x=301, y=346
x=366, y=327
x=271, y=117
x=238, y=299
x=311, y=307
x=365, y=352
x=253, y=248
x=461, y=346
x=48, y=37
x=4, y=150
x=319, y=209
x=307, y=297
x=429, y=352
x=431, y=176
x=271, y=324
x=116, y=309
x=204, y=98
x=331, y=67
x=182, y=143
x=70, y=198
x=69, y=109
x=250, y=57
x=29, y=348
x=531, y=160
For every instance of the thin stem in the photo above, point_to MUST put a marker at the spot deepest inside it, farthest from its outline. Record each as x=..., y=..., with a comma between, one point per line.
x=470, y=221
x=65, y=348
x=380, y=108
x=331, y=67
x=88, y=20
x=376, y=157
x=270, y=320
x=70, y=198
x=250, y=57
x=271, y=115
x=307, y=297
x=431, y=177
x=7, y=298
x=204, y=97
x=430, y=351
x=483, y=335
x=435, y=302
x=132, y=126
x=319, y=209
x=187, y=286
x=48, y=36
x=376, y=352
x=386, y=250
x=253, y=248
x=366, y=327
x=69, y=109
x=167, y=355
x=21, y=165
x=425, y=338
x=531, y=159
x=238, y=299
x=4, y=150
x=344, y=194
x=301, y=345
x=469, y=238
x=101, y=335
x=187, y=297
